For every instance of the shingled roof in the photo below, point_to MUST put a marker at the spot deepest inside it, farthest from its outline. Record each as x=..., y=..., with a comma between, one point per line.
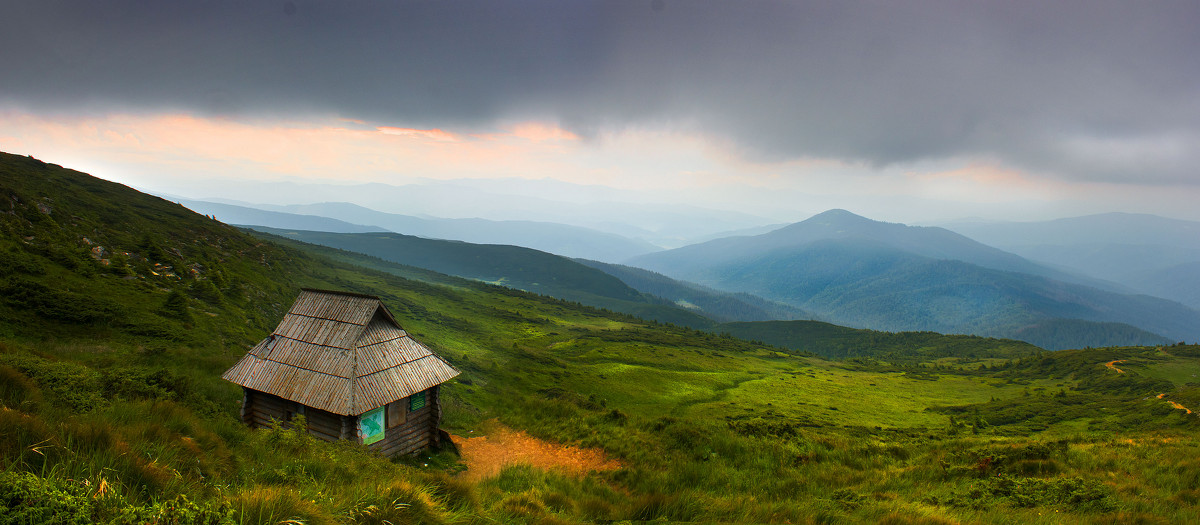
x=342, y=353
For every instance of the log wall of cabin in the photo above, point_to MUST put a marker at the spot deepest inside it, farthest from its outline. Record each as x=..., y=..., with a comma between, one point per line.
x=418, y=431
x=324, y=425
x=260, y=408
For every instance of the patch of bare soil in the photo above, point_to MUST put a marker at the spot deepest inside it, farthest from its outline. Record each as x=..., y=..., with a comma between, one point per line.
x=1112, y=365
x=503, y=446
x=1176, y=405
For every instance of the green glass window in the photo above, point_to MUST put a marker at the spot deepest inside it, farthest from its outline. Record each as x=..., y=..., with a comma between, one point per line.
x=416, y=401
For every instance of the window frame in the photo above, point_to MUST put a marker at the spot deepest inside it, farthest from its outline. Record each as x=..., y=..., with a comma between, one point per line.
x=423, y=396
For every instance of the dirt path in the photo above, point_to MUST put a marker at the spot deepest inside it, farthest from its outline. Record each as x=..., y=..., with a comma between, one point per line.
x=1113, y=365
x=503, y=446
x=1176, y=405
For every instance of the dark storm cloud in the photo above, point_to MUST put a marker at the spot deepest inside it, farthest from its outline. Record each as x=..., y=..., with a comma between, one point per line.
x=1093, y=90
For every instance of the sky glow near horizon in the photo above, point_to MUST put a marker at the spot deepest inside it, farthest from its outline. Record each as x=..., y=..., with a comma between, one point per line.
x=918, y=113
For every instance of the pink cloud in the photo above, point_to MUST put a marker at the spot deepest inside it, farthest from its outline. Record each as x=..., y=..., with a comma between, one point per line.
x=539, y=132
x=181, y=145
x=428, y=134
x=980, y=173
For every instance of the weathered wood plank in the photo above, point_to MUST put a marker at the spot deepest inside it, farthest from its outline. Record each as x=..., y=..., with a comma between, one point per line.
x=263, y=422
x=413, y=444
x=267, y=414
x=408, y=433
x=336, y=432
x=247, y=413
x=323, y=436
x=332, y=424
x=269, y=406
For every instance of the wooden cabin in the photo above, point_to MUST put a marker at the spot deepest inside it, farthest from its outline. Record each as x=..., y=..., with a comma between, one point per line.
x=343, y=361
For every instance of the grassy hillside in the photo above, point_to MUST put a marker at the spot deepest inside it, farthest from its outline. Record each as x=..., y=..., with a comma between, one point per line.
x=113, y=410
x=88, y=258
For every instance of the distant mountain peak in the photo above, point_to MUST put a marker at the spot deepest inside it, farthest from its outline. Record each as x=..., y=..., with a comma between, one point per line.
x=837, y=215
x=832, y=223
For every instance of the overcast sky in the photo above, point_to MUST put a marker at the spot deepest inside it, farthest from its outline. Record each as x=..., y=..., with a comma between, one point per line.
x=903, y=111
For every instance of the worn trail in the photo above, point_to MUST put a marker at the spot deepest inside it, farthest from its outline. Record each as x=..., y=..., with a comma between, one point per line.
x=486, y=455
x=1112, y=365
x=1176, y=405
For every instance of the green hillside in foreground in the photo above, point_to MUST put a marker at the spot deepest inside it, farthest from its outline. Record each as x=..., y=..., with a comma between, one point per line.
x=112, y=410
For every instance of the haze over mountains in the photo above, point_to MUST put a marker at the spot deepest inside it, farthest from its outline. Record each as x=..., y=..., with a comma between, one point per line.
x=857, y=272
x=835, y=266
x=344, y=217
x=233, y=214
x=549, y=274
x=595, y=207
x=1147, y=253
x=692, y=261
x=1123, y=254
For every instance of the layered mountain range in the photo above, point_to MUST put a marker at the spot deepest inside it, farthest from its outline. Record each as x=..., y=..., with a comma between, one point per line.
x=1065, y=286
x=1149, y=254
x=344, y=217
x=850, y=270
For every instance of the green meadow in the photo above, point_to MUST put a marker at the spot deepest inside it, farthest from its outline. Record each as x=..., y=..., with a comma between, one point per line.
x=113, y=410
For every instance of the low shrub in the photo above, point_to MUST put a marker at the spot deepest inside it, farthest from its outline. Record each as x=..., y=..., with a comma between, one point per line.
x=179, y=511
x=1074, y=493
x=26, y=498
x=58, y=305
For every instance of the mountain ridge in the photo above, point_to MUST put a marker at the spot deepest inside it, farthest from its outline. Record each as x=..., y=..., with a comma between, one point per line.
x=661, y=224
x=933, y=242
x=718, y=305
x=1143, y=252
x=505, y=265
x=343, y=217
x=853, y=271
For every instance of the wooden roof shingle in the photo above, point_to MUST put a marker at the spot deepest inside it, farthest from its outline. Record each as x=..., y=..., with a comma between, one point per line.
x=342, y=353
